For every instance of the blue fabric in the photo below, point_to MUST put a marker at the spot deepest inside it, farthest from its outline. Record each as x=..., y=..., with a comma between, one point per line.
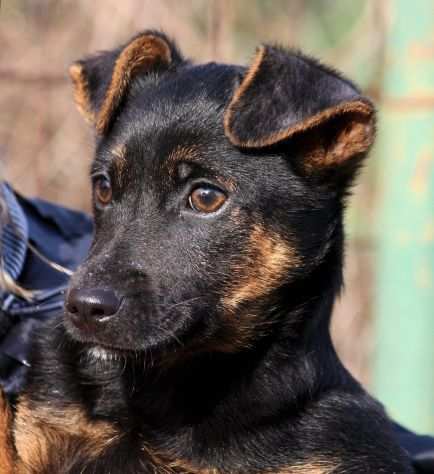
x=420, y=448
x=14, y=234
x=61, y=235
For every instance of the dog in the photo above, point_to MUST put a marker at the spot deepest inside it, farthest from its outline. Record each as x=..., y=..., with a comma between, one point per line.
x=195, y=337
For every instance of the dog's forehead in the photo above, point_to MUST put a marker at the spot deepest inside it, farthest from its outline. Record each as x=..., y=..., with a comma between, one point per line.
x=176, y=114
x=188, y=95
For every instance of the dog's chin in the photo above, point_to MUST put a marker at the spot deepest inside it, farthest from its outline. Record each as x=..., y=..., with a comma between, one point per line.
x=106, y=354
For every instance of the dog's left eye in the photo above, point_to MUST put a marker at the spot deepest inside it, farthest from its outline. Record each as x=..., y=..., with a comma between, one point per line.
x=206, y=199
x=102, y=190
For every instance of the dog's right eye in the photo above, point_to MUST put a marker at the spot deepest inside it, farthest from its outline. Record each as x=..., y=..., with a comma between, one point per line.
x=102, y=190
x=206, y=199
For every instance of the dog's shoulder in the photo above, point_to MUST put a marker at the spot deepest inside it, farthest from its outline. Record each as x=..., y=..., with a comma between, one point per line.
x=350, y=429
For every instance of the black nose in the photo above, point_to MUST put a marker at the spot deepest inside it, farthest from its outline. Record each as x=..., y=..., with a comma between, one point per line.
x=92, y=303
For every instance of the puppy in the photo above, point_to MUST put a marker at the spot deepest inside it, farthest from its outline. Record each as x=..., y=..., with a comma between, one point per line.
x=195, y=337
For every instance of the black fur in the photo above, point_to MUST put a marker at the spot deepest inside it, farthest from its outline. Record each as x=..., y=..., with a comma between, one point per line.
x=200, y=378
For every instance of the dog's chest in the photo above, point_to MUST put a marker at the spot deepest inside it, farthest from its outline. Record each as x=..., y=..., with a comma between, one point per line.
x=45, y=451
x=49, y=441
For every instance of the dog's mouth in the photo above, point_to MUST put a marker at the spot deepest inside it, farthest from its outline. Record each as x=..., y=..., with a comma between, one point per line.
x=156, y=354
x=109, y=339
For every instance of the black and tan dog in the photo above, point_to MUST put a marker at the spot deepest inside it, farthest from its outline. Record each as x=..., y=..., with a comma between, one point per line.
x=196, y=335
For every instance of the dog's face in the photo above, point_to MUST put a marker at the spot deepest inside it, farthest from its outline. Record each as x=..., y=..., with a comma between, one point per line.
x=216, y=188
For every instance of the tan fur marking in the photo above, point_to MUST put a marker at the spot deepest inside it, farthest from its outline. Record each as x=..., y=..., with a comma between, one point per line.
x=7, y=453
x=42, y=432
x=191, y=154
x=263, y=268
x=183, y=153
x=251, y=73
x=349, y=107
x=355, y=138
x=81, y=92
x=227, y=182
x=178, y=155
x=164, y=464
x=354, y=106
x=141, y=54
x=120, y=162
x=312, y=467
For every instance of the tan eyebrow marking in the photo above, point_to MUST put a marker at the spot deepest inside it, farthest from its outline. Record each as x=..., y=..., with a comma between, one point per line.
x=183, y=153
x=120, y=161
x=191, y=154
x=178, y=159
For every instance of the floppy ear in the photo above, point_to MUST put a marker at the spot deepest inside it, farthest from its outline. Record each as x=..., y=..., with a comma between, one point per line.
x=101, y=82
x=287, y=95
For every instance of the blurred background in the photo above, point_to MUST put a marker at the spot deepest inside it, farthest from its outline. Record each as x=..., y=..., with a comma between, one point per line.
x=384, y=323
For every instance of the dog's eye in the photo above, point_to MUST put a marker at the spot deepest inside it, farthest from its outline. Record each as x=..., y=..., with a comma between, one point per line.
x=206, y=199
x=102, y=191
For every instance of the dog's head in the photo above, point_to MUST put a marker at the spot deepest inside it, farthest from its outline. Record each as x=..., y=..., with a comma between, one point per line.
x=218, y=192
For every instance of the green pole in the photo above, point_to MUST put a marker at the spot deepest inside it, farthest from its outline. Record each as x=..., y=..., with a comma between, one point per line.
x=404, y=366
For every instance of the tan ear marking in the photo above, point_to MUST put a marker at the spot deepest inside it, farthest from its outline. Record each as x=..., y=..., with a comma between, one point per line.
x=81, y=92
x=141, y=54
x=358, y=106
x=355, y=138
x=348, y=107
x=251, y=73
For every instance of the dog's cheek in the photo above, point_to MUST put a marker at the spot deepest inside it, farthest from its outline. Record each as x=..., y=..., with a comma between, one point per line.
x=266, y=264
